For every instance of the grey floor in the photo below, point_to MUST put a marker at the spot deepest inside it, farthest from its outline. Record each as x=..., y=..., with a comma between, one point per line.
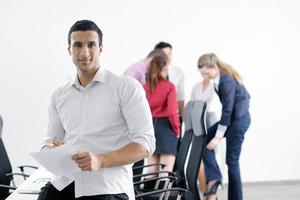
x=267, y=191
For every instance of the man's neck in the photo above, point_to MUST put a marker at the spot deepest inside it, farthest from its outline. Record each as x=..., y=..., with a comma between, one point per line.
x=86, y=77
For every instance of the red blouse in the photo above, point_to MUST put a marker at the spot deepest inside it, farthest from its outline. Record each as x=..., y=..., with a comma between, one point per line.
x=163, y=103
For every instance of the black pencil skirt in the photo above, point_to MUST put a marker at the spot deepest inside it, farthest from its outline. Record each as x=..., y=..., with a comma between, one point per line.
x=166, y=140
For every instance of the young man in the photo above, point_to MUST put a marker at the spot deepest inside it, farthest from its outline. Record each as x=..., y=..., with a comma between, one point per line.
x=176, y=75
x=97, y=114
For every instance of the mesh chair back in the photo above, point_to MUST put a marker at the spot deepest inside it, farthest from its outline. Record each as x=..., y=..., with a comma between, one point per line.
x=1, y=126
x=185, y=143
x=196, y=149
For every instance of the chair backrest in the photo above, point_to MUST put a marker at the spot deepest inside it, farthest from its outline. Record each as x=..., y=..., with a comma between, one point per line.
x=5, y=166
x=196, y=148
x=1, y=126
x=185, y=142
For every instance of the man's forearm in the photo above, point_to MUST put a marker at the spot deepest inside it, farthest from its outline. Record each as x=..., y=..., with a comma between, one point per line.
x=128, y=154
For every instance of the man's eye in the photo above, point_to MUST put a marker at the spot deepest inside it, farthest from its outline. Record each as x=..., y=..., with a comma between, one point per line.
x=76, y=45
x=92, y=45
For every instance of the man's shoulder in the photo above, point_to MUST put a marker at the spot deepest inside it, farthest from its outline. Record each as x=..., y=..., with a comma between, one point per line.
x=176, y=69
x=176, y=72
x=120, y=81
x=60, y=90
x=135, y=67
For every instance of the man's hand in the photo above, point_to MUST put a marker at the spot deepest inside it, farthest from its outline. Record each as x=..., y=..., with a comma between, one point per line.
x=88, y=161
x=213, y=144
x=56, y=143
x=53, y=144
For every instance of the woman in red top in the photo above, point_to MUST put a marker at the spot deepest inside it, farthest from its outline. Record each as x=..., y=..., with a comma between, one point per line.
x=161, y=96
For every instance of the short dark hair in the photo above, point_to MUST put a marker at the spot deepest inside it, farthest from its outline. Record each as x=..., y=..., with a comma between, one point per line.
x=85, y=25
x=162, y=45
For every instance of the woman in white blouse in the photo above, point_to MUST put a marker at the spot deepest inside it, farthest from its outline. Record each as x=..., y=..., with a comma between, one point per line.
x=205, y=91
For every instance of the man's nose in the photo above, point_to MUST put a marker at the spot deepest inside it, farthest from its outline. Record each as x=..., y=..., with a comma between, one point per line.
x=84, y=51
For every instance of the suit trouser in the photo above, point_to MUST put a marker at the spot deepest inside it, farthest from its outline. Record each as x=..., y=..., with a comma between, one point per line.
x=234, y=139
x=49, y=192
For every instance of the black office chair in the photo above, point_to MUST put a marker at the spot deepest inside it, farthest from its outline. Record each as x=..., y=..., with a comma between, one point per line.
x=6, y=176
x=179, y=162
x=187, y=186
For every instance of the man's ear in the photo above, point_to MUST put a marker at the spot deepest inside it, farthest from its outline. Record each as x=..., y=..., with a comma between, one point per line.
x=69, y=50
x=100, y=51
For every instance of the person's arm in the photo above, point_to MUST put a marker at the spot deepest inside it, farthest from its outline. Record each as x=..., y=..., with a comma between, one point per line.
x=128, y=154
x=227, y=92
x=132, y=72
x=137, y=114
x=172, y=110
x=180, y=94
x=55, y=131
x=181, y=108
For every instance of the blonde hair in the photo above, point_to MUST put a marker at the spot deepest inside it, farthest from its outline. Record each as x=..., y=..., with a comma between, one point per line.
x=210, y=60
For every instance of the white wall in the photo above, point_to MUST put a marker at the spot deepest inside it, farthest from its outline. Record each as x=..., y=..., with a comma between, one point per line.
x=259, y=38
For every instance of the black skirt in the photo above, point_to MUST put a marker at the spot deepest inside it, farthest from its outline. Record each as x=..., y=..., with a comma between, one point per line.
x=166, y=140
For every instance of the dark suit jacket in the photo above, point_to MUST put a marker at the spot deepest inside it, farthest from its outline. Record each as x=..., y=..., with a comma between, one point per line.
x=234, y=98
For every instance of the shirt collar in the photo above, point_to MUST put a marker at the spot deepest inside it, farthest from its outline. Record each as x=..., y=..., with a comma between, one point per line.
x=99, y=77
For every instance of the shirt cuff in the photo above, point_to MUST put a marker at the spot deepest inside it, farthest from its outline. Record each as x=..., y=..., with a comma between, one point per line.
x=221, y=131
x=148, y=143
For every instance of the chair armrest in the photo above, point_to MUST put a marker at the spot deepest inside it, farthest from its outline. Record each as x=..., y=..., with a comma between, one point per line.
x=181, y=191
x=7, y=186
x=150, y=165
x=155, y=179
x=155, y=173
x=17, y=174
x=26, y=166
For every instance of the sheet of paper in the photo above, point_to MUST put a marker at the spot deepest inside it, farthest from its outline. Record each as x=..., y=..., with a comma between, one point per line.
x=58, y=160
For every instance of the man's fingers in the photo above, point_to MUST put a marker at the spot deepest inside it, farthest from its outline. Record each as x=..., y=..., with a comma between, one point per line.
x=83, y=160
x=88, y=168
x=80, y=156
x=84, y=165
x=57, y=143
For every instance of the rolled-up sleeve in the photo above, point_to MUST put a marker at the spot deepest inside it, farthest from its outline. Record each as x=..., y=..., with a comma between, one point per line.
x=137, y=114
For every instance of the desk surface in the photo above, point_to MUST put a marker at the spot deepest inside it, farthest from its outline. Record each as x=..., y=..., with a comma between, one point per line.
x=38, y=174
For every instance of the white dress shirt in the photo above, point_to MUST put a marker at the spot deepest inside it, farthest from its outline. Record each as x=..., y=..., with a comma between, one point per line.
x=176, y=76
x=213, y=103
x=104, y=116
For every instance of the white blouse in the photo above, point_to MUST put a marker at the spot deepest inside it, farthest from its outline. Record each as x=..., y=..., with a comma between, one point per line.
x=209, y=95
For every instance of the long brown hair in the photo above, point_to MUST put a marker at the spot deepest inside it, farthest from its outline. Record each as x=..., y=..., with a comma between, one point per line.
x=210, y=60
x=154, y=71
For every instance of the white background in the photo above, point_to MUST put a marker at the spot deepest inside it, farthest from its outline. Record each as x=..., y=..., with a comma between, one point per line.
x=259, y=38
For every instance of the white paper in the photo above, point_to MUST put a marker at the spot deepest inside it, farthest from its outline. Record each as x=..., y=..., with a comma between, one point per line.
x=58, y=160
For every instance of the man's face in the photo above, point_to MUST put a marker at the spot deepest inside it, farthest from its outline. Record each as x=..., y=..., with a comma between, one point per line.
x=168, y=52
x=85, y=50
